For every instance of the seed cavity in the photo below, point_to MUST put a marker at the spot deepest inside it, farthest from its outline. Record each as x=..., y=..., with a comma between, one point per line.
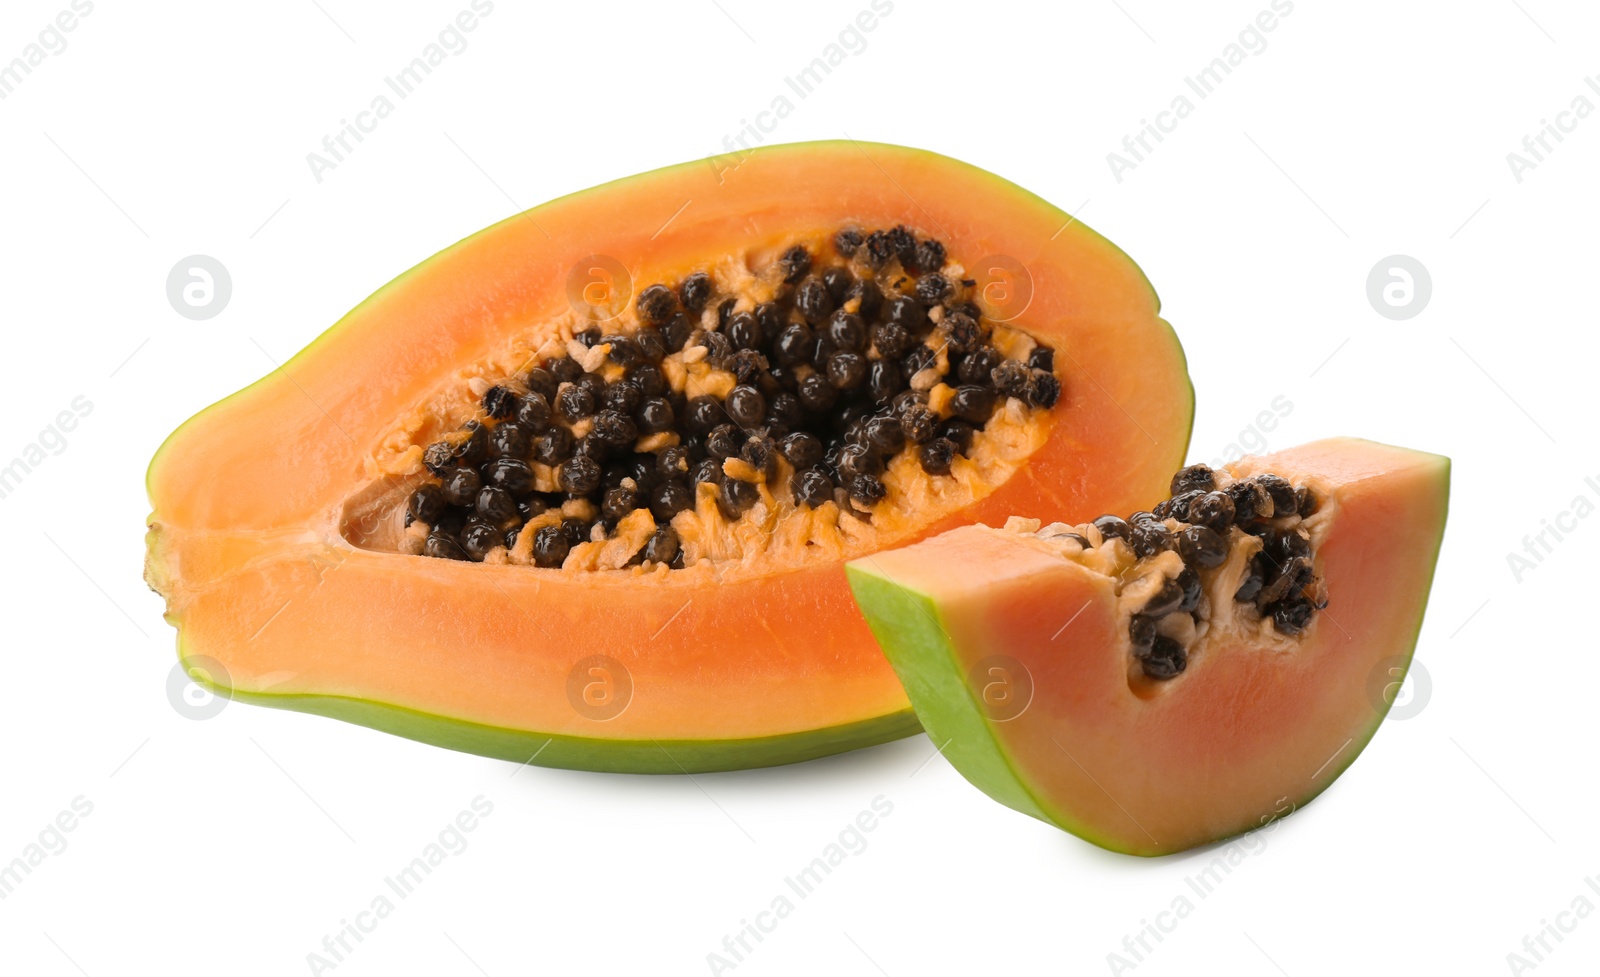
x=804, y=381
x=1166, y=558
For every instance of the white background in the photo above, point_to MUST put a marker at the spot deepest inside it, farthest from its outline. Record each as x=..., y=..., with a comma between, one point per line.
x=1362, y=130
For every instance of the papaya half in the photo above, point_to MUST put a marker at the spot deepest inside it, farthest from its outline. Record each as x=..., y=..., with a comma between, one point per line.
x=579, y=489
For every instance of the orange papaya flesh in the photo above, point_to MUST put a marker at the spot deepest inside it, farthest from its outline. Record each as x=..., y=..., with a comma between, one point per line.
x=1015, y=647
x=278, y=537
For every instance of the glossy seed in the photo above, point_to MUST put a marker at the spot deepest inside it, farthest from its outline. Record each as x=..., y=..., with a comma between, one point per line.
x=614, y=428
x=1141, y=635
x=919, y=424
x=723, y=441
x=1202, y=548
x=1042, y=358
x=564, y=369
x=652, y=348
x=812, y=488
x=656, y=415
x=838, y=282
x=906, y=313
x=704, y=413
x=793, y=345
x=846, y=371
x=670, y=498
x=443, y=546
x=426, y=504
x=550, y=546
x=1010, y=378
x=461, y=487
x=1249, y=501
x=795, y=263
x=1306, y=502
x=1193, y=478
x=533, y=412
x=1044, y=390
x=1112, y=527
x=963, y=332
x=478, y=540
x=1148, y=537
x=1290, y=617
x=802, y=449
x=695, y=291
x=847, y=332
x=619, y=502
x=960, y=433
x=1280, y=492
x=885, y=435
x=553, y=446
x=574, y=403
x=858, y=459
x=867, y=489
x=868, y=296
x=761, y=454
x=675, y=334
x=1189, y=580
x=578, y=476
x=744, y=331
x=937, y=456
x=656, y=304
x=499, y=402
x=495, y=504
x=735, y=497
x=973, y=403
x=746, y=406
x=785, y=409
x=884, y=381
x=540, y=381
x=663, y=546
x=1293, y=544
x=932, y=288
x=1213, y=510
x=979, y=365
x=812, y=300
x=1166, y=660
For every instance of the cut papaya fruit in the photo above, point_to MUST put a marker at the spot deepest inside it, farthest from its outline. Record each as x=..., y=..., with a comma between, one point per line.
x=1161, y=681
x=579, y=489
